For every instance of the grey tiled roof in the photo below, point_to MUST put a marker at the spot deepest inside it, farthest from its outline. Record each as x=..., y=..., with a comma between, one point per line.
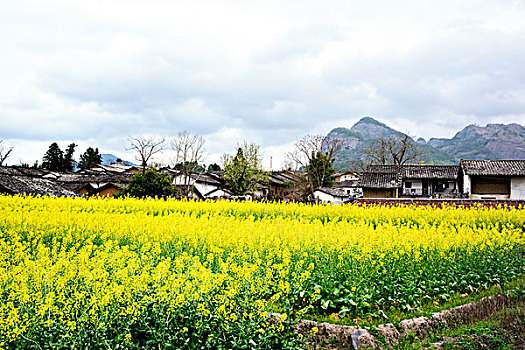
x=95, y=178
x=449, y=172
x=347, y=183
x=14, y=184
x=16, y=180
x=116, y=169
x=418, y=171
x=380, y=180
x=494, y=167
x=379, y=168
x=333, y=191
x=16, y=170
x=206, y=177
x=278, y=179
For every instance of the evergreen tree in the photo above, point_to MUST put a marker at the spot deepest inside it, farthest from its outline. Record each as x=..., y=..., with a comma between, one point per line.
x=90, y=158
x=54, y=158
x=321, y=170
x=214, y=167
x=189, y=167
x=69, y=162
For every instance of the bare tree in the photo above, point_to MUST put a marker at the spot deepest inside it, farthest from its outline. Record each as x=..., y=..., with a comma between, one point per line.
x=225, y=157
x=377, y=151
x=404, y=150
x=314, y=154
x=397, y=149
x=5, y=151
x=146, y=147
x=188, y=154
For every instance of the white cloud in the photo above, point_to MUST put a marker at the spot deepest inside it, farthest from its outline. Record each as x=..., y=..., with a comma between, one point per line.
x=268, y=72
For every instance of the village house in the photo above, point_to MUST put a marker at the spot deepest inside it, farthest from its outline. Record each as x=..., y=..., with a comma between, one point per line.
x=18, y=180
x=100, y=182
x=202, y=185
x=380, y=184
x=331, y=195
x=346, y=176
x=476, y=179
x=397, y=181
x=437, y=181
x=281, y=184
x=493, y=179
x=348, y=182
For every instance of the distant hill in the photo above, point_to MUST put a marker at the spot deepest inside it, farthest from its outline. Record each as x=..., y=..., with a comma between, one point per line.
x=107, y=159
x=359, y=137
x=494, y=141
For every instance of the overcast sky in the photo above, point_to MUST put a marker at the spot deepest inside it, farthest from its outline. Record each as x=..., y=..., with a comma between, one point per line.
x=269, y=72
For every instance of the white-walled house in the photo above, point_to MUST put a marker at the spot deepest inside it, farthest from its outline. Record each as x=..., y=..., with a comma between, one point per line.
x=204, y=185
x=350, y=187
x=346, y=176
x=331, y=195
x=494, y=179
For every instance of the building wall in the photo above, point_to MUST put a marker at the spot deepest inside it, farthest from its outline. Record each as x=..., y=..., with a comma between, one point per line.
x=352, y=191
x=260, y=193
x=347, y=177
x=218, y=194
x=204, y=188
x=517, y=188
x=415, y=183
x=280, y=191
x=416, y=188
x=466, y=184
x=494, y=185
x=181, y=180
x=379, y=193
x=108, y=192
x=325, y=197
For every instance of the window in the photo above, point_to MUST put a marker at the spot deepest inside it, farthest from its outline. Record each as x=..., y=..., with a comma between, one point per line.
x=408, y=184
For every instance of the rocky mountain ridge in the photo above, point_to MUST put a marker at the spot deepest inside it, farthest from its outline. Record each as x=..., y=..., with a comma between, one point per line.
x=494, y=141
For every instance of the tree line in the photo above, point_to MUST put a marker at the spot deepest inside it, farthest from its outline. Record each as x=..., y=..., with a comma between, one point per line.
x=56, y=159
x=311, y=161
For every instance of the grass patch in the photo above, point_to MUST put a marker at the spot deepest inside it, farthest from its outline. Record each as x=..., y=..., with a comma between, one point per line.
x=427, y=309
x=504, y=330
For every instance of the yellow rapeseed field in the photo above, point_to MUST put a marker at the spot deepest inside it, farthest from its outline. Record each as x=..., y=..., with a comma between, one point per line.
x=170, y=274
